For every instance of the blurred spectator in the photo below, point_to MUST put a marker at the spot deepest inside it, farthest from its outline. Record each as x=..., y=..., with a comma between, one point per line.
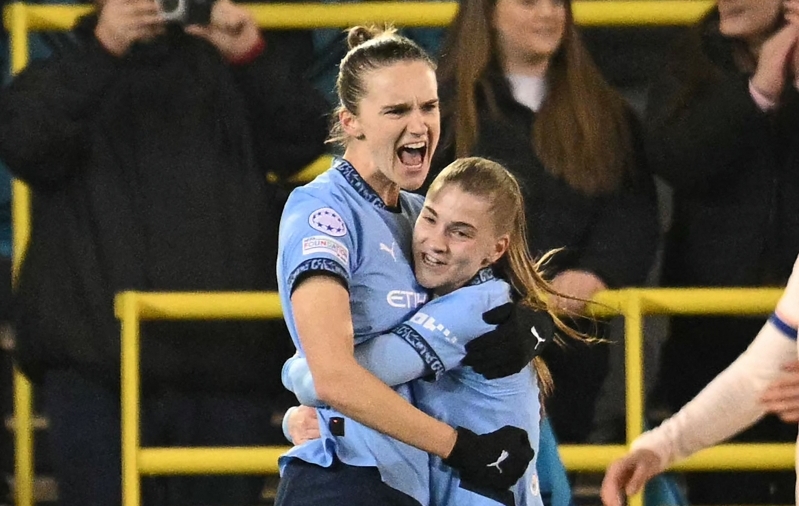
x=146, y=148
x=723, y=127
x=523, y=90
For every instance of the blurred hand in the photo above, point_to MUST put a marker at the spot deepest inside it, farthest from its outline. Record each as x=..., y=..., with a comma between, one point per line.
x=232, y=30
x=575, y=283
x=782, y=395
x=123, y=22
x=303, y=425
x=775, y=61
x=627, y=476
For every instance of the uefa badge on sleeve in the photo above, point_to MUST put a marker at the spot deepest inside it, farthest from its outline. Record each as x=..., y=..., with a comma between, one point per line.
x=328, y=221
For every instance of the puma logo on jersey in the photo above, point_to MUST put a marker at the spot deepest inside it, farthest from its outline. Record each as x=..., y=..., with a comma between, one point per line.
x=502, y=457
x=538, y=338
x=390, y=250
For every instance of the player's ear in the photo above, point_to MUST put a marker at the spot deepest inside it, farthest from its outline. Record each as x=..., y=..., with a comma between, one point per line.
x=350, y=124
x=499, y=249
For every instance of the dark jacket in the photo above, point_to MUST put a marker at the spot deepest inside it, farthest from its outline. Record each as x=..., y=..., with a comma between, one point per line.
x=613, y=236
x=149, y=173
x=734, y=169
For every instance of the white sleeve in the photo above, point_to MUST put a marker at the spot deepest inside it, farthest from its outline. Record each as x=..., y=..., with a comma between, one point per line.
x=726, y=406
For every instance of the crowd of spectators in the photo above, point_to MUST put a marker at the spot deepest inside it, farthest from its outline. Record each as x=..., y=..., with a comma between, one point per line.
x=147, y=146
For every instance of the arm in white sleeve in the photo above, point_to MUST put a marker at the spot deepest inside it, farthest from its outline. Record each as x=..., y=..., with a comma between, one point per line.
x=729, y=404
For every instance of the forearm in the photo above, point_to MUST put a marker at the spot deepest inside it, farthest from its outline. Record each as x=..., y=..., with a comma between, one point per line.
x=729, y=404
x=358, y=394
x=326, y=335
x=387, y=357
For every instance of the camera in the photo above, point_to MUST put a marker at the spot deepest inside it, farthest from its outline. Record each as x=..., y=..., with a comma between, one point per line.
x=186, y=12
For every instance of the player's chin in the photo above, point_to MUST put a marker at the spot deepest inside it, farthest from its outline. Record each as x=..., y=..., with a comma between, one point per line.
x=413, y=177
x=426, y=278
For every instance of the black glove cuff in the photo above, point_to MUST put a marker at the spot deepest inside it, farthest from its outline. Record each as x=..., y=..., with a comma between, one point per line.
x=463, y=443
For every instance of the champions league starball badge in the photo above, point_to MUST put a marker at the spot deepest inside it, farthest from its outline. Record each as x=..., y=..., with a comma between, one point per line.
x=328, y=221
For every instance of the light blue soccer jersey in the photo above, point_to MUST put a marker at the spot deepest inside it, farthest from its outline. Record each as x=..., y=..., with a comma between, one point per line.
x=457, y=395
x=337, y=224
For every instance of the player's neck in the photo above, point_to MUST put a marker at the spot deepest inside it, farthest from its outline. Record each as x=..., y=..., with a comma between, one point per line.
x=385, y=188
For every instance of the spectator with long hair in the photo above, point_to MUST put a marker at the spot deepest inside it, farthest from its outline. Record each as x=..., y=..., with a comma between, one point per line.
x=519, y=87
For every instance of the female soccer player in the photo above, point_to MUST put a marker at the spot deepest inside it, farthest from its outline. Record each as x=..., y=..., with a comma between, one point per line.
x=344, y=270
x=470, y=250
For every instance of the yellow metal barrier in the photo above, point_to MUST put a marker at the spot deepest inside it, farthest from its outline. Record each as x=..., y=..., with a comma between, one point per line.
x=633, y=304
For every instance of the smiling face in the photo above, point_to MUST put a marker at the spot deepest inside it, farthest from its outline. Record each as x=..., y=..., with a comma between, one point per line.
x=529, y=31
x=749, y=20
x=453, y=239
x=397, y=126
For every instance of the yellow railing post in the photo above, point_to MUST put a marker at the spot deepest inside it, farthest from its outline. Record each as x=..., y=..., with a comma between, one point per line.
x=128, y=313
x=634, y=371
x=16, y=21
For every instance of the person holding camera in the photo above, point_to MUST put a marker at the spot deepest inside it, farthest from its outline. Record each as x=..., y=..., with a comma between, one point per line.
x=146, y=145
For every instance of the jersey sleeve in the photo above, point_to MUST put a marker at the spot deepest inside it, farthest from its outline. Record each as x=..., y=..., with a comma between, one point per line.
x=430, y=343
x=439, y=331
x=316, y=238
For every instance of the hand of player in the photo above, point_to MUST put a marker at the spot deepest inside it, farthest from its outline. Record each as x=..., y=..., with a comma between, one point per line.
x=522, y=333
x=782, y=395
x=232, y=30
x=303, y=425
x=495, y=460
x=578, y=284
x=776, y=58
x=627, y=476
x=123, y=22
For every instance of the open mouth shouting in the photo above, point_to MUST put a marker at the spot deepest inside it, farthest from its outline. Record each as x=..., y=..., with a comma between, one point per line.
x=412, y=155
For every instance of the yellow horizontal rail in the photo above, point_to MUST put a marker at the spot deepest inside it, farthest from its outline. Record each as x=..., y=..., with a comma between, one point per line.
x=408, y=14
x=228, y=460
x=203, y=305
x=728, y=457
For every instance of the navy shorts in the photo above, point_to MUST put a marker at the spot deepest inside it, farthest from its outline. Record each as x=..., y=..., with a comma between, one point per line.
x=304, y=484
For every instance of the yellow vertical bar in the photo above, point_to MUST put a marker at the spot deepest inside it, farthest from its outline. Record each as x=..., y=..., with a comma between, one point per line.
x=131, y=489
x=23, y=433
x=634, y=359
x=17, y=24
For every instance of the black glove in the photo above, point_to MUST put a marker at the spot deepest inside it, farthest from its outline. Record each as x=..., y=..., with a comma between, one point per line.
x=521, y=335
x=495, y=460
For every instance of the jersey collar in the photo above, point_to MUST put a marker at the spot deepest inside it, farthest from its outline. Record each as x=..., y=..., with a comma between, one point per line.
x=361, y=186
x=484, y=275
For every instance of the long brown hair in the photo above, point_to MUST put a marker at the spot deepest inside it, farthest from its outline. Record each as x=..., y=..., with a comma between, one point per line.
x=490, y=181
x=582, y=131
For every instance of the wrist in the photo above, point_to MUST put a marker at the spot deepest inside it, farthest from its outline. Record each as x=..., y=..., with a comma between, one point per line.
x=246, y=57
x=764, y=100
x=108, y=42
x=449, y=443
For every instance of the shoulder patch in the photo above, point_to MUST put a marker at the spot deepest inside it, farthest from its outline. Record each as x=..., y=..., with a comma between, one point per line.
x=323, y=244
x=328, y=221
